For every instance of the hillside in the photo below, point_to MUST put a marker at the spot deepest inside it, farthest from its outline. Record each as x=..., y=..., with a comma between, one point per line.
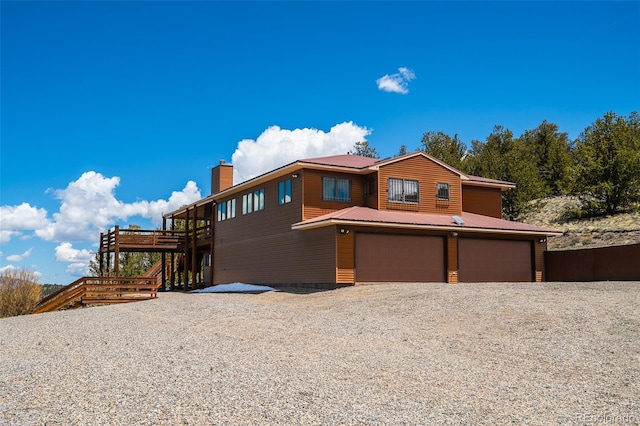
x=619, y=229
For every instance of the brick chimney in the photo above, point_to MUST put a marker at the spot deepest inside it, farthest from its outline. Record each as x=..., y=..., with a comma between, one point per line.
x=221, y=177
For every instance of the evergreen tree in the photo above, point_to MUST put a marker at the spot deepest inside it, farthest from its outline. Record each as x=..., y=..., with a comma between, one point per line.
x=365, y=150
x=504, y=158
x=607, y=164
x=449, y=149
x=551, y=152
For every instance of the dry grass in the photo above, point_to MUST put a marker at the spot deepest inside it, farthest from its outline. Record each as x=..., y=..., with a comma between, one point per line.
x=619, y=229
x=20, y=292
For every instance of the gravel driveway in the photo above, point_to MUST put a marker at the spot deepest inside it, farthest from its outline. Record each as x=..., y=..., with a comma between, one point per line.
x=537, y=354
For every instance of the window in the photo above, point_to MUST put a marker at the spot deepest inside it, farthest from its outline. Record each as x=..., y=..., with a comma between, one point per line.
x=284, y=192
x=247, y=203
x=442, y=193
x=231, y=209
x=369, y=187
x=252, y=202
x=227, y=210
x=336, y=189
x=403, y=191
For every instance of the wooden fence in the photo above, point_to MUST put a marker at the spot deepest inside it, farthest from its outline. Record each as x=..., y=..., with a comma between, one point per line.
x=617, y=263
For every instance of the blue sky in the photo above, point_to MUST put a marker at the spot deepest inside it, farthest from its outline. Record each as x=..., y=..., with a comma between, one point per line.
x=114, y=112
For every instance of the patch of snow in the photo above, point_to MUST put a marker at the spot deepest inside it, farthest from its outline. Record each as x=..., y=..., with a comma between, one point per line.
x=235, y=288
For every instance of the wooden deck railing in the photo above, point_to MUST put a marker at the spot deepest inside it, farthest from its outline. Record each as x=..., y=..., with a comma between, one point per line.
x=100, y=290
x=141, y=239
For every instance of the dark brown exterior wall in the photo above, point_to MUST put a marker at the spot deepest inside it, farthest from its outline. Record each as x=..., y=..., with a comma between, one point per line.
x=315, y=206
x=428, y=174
x=618, y=263
x=261, y=248
x=482, y=200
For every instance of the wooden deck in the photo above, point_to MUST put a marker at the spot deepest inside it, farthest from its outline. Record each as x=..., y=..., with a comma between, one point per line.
x=142, y=240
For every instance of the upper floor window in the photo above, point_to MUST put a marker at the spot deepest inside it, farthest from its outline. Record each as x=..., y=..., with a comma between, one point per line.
x=253, y=201
x=284, y=192
x=369, y=187
x=227, y=210
x=403, y=190
x=442, y=191
x=336, y=189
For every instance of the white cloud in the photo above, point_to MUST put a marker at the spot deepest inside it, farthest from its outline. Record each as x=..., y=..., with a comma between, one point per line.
x=13, y=268
x=19, y=257
x=88, y=206
x=78, y=259
x=15, y=219
x=6, y=235
x=8, y=268
x=398, y=82
x=66, y=253
x=276, y=147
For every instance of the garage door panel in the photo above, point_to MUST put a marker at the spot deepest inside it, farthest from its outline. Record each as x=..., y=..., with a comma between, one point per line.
x=487, y=260
x=400, y=258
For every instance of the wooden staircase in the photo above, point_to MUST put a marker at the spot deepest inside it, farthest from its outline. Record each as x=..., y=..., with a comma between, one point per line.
x=100, y=290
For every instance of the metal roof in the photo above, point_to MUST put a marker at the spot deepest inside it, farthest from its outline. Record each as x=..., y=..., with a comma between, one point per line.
x=345, y=163
x=365, y=216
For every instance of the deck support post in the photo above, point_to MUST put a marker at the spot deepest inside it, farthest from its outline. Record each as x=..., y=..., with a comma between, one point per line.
x=185, y=269
x=116, y=252
x=101, y=254
x=164, y=257
x=212, y=230
x=194, y=257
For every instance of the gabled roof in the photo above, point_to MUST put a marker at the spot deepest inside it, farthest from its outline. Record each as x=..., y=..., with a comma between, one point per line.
x=365, y=216
x=342, y=163
x=359, y=163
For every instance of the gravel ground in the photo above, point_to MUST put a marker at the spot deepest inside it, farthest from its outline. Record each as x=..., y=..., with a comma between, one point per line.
x=537, y=354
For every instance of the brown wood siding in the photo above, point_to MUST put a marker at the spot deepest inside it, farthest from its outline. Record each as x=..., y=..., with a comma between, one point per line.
x=372, y=199
x=345, y=244
x=616, y=263
x=482, y=200
x=452, y=259
x=314, y=205
x=540, y=248
x=399, y=258
x=428, y=174
x=261, y=248
x=489, y=260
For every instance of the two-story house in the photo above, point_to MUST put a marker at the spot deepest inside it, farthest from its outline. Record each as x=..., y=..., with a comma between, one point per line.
x=347, y=219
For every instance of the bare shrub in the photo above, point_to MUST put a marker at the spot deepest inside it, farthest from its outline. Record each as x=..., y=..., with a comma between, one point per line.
x=20, y=292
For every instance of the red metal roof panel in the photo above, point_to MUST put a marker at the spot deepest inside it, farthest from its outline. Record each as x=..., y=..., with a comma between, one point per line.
x=471, y=220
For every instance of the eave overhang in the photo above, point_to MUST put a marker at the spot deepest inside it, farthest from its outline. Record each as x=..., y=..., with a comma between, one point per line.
x=452, y=228
x=390, y=219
